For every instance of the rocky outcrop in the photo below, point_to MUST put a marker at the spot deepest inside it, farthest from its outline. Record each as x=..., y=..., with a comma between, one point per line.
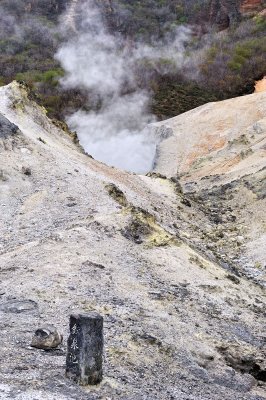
x=251, y=7
x=224, y=13
x=159, y=260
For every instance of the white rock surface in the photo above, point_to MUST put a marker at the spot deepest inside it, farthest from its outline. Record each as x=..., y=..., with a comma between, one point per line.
x=226, y=138
x=178, y=324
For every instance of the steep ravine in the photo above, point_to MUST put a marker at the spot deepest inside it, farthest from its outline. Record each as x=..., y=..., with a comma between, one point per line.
x=144, y=251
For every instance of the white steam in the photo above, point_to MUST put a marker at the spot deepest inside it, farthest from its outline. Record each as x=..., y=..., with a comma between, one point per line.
x=117, y=134
x=103, y=64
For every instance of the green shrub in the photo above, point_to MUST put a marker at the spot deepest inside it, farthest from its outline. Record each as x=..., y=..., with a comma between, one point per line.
x=182, y=20
x=235, y=65
x=52, y=76
x=211, y=54
x=260, y=23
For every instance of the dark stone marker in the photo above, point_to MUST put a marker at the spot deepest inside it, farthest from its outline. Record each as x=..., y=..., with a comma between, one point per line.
x=85, y=349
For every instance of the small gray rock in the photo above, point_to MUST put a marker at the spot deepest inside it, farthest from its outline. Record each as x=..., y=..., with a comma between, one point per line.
x=46, y=338
x=19, y=306
x=26, y=171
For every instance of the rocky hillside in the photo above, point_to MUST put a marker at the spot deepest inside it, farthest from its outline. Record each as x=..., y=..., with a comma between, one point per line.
x=225, y=13
x=213, y=9
x=248, y=7
x=222, y=13
x=218, y=151
x=173, y=262
x=50, y=8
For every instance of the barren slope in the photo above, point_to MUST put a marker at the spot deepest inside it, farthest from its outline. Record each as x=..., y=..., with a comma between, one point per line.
x=226, y=138
x=76, y=234
x=218, y=152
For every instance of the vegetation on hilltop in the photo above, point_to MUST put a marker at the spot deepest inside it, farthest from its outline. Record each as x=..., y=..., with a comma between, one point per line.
x=153, y=18
x=219, y=64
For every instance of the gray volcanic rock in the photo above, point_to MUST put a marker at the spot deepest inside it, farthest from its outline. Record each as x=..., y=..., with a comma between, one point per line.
x=19, y=306
x=46, y=338
x=6, y=128
x=179, y=283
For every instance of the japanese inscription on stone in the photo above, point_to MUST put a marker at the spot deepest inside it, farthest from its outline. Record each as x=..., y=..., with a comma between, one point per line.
x=85, y=349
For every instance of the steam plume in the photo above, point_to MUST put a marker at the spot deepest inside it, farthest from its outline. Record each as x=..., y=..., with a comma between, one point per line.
x=115, y=132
